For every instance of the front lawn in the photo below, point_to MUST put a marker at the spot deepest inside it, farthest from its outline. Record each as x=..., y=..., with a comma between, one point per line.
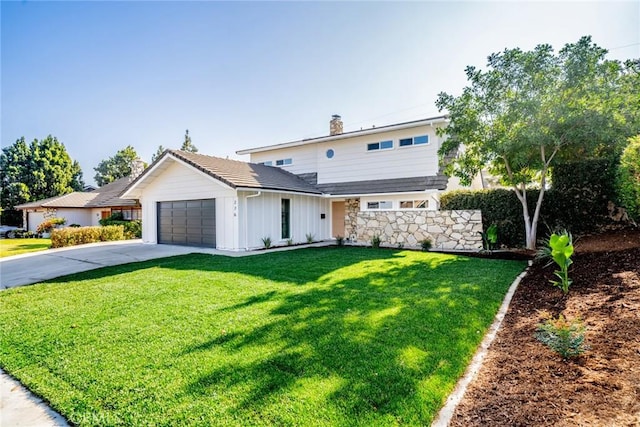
x=326, y=336
x=9, y=247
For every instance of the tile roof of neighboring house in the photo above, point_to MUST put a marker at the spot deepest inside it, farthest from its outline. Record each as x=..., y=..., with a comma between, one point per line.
x=398, y=185
x=238, y=174
x=105, y=196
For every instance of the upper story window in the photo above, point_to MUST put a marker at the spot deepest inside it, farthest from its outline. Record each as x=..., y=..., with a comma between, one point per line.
x=284, y=162
x=379, y=205
x=416, y=140
x=382, y=145
x=330, y=153
x=268, y=163
x=414, y=204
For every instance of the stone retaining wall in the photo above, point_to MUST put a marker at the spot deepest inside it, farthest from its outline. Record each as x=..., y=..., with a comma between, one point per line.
x=446, y=229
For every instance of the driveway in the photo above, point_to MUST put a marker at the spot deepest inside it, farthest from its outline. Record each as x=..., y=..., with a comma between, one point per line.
x=35, y=267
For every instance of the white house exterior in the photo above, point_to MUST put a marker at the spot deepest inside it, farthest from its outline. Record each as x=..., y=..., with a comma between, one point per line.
x=83, y=208
x=193, y=199
x=341, y=185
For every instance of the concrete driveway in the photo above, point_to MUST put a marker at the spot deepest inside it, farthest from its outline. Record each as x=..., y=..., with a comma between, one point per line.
x=35, y=267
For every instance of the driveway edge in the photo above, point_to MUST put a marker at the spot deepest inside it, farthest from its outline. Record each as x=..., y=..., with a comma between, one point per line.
x=446, y=413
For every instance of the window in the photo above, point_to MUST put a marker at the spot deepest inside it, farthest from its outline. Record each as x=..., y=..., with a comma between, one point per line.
x=416, y=140
x=330, y=153
x=284, y=162
x=286, y=218
x=268, y=163
x=379, y=205
x=382, y=145
x=128, y=214
x=414, y=204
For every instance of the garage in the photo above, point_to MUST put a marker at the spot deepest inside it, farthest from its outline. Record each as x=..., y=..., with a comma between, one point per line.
x=187, y=222
x=34, y=219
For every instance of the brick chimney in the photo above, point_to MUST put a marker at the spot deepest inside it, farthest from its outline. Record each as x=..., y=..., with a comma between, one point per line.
x=335, y=125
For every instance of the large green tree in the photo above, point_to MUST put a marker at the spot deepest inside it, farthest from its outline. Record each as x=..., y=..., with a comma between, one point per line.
x=530, y=109
x=38, y=170
x=116, y=167
x=187, y=145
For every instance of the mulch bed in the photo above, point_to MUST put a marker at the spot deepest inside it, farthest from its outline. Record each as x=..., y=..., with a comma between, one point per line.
x=524, y=383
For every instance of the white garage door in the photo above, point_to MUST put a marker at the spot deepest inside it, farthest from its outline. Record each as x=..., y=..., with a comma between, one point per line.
x=34, y=219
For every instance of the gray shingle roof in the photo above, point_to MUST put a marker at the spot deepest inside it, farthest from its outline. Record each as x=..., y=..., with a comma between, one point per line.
x=105, y=196
x=398, y=185
x=237, y=174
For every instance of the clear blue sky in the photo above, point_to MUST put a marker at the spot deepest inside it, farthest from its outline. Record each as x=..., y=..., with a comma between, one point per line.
x=103, y=75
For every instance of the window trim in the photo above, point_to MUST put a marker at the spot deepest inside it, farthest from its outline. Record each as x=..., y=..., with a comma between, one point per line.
x=413, y=141
x=284, y=162
x=415, y=204
x=379, y=208
x=379, y=145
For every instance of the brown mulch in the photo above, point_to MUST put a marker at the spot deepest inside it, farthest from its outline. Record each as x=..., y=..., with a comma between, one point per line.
x=524, y=383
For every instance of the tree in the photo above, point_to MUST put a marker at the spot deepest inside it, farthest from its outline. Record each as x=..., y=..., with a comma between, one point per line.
x=629, y=177
x=36, y=171
x=187, y=145
x=116, y=167
x=158, y=153
x=531, y=109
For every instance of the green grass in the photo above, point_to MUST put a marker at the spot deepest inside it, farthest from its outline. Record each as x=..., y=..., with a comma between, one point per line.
x=9, y=247
x=331, y=336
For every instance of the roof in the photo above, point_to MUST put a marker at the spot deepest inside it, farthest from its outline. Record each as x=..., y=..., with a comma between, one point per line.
x=105, y=196
x=236, y=174
x=344, y=135
x=398, y=185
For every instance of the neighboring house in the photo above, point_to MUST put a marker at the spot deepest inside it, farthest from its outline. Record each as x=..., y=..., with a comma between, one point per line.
x=81, y=207
x=384, y=181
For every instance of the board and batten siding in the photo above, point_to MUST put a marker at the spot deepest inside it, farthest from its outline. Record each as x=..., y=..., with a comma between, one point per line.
x=182, y=182
x=263, y=218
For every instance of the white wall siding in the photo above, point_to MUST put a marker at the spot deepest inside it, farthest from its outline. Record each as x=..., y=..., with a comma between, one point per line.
x=304, y=158
x=79, y=216
x=181, y=182
x=264, y=218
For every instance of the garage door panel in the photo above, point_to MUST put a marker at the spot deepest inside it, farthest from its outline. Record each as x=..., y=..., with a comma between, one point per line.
x=190, y=222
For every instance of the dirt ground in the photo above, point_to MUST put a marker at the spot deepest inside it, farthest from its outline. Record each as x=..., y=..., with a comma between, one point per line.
x=524, y=383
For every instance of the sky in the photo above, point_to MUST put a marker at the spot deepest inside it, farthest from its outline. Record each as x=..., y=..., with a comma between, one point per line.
x=103, y=75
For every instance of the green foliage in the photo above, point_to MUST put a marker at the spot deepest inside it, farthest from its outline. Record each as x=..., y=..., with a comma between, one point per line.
x=561, y=246
x=529, y=109
x=35, y=171
x=158, y=153
x=310, y=237
x=72, y=236
x=490, y=238
x=339, y=240
x=322, y=336
x=375, y=241
x=116, y=167
x=289, y=242
x=132, y=229
x=266, y=242
x=563, y=336
x=426, y=244
x=187, y=145
x=628, y=178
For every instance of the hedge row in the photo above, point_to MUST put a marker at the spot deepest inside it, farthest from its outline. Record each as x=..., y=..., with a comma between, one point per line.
x=132, y=229
x=577, y=202
x=72, y=236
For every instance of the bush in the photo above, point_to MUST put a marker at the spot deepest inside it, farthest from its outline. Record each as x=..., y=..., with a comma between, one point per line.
x=576, y=202
x=375, y=241
x=132, y=229
x=72, y=236
x=426, y=244
x=48, y=225
x=563, y=336
x=339, y=240
x=266, y=242
x=628, y=178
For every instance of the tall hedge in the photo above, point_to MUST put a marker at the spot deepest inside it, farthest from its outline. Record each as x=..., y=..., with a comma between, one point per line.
x=577, y=201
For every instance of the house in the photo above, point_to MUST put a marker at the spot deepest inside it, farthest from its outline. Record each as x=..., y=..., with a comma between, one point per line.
x=382, y=181
x=82, y=207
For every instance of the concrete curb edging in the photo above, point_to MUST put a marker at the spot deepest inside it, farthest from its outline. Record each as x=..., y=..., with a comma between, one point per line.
x=446, y=413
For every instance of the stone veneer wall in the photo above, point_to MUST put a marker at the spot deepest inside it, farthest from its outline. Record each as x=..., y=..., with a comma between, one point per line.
x=446, y=229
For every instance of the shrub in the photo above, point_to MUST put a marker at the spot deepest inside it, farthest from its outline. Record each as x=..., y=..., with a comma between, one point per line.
x=132, y=229
x=426, y=244
x=289, y=242
x=563, y=336
x=628, y=178
x=24, y=234
x=310, y=237
x=339, y=240
x=561, y=249
x=266, y=242
x=490, y=238
x=375, y=241
x=48, y=225
x=72, y=236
